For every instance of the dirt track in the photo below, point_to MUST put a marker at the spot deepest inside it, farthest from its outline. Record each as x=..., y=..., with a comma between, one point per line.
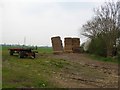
x=85, y=72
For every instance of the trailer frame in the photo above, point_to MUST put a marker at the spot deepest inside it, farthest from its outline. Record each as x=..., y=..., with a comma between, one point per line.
x=23, y=52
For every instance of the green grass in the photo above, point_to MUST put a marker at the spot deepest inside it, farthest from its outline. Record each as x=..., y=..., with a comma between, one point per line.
x=45, y=49
x=39, y=49
x=30, y=72
x=104, y=59
x=0, y=67
x=39, y=72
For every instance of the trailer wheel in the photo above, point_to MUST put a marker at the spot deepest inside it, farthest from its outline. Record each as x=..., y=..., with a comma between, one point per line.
x=11, y=52
x=34, y=55
x=21, y=55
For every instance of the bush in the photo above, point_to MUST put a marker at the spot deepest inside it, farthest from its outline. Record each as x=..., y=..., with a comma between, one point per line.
x=98, y=47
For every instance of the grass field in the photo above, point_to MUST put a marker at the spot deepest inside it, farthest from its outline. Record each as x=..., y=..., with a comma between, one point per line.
x=48, y=71
x=0, y=67
x=29, y=72
x=105, y=59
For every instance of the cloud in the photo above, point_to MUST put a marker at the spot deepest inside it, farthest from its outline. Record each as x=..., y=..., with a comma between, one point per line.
x=38, y=22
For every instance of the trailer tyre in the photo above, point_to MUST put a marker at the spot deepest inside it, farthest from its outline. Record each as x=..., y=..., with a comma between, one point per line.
x=34, y=55
x=21, y=54
x=11, y=52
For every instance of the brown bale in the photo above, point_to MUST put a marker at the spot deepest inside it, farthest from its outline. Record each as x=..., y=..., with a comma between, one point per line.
x=76, y=41
x=68, y=40
x=57, y=45
x=68, y=44
x=76, y=45
x=72, y=44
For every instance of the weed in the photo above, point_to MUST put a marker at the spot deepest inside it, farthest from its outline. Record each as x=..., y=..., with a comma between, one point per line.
x=104, y=59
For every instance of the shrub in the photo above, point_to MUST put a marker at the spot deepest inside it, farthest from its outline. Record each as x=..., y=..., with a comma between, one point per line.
x=98, y=47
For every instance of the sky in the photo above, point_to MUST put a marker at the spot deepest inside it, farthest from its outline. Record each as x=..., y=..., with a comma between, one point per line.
x=34, y=22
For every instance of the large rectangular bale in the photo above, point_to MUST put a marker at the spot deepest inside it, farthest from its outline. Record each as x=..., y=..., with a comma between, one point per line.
x=68, y=40
x=76, y=41
x=76, y=45
x=68, y=49
x=57, y=44
x=68, y=44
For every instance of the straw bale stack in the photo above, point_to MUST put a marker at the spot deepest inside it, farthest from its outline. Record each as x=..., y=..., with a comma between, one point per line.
x=68, y=44
x=57, y=45
x=76, y=45
x=75, y=42
x=72, y=45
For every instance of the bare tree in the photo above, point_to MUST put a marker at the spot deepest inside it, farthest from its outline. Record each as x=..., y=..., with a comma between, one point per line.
x=105, y=24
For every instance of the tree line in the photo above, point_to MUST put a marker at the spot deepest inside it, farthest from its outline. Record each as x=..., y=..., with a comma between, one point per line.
x=104, y=30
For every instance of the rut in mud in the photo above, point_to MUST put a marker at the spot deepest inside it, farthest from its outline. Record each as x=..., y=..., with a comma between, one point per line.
x=85, y=72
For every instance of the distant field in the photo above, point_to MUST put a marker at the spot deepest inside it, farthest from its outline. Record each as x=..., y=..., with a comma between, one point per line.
x=55, y=71
x=45, y=50
x=40, y=49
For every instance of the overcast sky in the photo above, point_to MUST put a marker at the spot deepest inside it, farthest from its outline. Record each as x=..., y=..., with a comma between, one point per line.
x=38, y=21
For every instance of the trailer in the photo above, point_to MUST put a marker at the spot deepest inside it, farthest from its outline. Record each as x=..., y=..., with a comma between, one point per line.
x=23, y=52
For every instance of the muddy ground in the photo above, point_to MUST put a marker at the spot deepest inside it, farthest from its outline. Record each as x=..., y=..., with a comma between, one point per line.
x=83, y=72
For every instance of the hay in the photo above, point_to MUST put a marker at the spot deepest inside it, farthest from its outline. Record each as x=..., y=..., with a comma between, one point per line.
x=68, y=44
x=76, y=45
x=71, y=45
x=57, y=45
